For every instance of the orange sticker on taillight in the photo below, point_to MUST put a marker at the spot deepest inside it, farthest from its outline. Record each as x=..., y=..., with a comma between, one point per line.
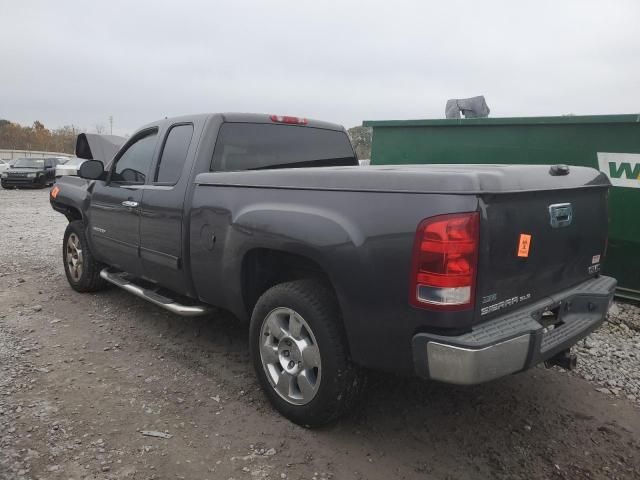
x=524, y=245
x=54, y=191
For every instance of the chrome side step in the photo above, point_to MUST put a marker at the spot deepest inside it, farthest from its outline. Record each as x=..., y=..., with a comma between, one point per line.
x=119, y=279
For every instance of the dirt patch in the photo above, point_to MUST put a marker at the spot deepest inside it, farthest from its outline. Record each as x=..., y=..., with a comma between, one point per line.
x=83, y=376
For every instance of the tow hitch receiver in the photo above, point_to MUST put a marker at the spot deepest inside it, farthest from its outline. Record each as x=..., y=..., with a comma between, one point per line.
x=564, y=359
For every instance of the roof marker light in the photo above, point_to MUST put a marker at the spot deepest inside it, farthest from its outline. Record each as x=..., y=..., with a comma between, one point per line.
x=288, y=119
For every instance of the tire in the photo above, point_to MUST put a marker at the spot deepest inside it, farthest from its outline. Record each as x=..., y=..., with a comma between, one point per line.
x=309, y=386
x=82, y=270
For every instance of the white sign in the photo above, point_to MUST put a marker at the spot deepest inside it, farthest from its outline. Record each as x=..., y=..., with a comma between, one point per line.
x=623, y=169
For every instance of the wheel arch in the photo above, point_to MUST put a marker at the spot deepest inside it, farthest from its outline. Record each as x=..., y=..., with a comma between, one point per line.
x=262, y=268
x=73, y=213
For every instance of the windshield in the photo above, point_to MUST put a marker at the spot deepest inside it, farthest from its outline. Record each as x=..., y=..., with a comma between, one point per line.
x=28, y=163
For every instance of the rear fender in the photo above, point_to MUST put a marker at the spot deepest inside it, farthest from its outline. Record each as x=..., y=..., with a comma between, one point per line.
x=321, y=235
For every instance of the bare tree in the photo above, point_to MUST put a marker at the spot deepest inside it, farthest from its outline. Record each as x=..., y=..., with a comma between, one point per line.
x=100, y=128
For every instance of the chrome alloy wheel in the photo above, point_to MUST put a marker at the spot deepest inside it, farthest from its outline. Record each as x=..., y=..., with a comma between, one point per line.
x=290, y=356
x=74, y=257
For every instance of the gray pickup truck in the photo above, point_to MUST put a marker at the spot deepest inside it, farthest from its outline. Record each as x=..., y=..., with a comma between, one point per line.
x=461, y=274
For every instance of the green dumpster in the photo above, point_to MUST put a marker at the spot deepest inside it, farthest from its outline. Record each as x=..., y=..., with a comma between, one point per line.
x=610, y=143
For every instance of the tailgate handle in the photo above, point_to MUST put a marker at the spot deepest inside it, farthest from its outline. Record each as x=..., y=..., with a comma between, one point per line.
x=560, y=214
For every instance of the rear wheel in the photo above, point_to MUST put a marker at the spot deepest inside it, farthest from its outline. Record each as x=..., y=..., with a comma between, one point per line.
x=300, y=354
x=81, y=268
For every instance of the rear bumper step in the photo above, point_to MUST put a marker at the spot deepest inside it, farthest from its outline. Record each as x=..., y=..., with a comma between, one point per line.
x=515, y=341
x=120, y=280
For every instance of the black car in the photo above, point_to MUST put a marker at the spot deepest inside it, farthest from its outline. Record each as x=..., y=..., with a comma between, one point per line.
x=31, y=172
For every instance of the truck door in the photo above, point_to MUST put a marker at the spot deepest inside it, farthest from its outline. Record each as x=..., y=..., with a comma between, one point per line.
x=161, y=215
x=114, y=212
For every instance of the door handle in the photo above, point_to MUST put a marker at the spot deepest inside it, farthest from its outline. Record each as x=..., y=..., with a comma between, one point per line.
x=129, y=204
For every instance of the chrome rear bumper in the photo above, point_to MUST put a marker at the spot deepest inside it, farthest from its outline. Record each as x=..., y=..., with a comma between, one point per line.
x=516, y=341
x=466, y=366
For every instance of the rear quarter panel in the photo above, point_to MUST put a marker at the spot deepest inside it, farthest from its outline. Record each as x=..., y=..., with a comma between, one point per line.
x=362, y=240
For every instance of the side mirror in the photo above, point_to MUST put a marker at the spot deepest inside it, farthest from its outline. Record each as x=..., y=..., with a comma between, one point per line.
x=92, y=170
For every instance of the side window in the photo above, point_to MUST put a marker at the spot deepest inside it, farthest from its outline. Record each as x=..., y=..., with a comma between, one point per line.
x=174, y=154
x=133, y=165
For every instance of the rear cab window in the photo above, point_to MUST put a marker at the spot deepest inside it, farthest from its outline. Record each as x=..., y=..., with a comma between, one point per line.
x=254, y=146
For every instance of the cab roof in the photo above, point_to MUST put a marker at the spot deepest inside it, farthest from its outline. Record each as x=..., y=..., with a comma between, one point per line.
x=235, y=117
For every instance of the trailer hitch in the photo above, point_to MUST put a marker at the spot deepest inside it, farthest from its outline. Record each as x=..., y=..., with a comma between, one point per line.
x=564, y=359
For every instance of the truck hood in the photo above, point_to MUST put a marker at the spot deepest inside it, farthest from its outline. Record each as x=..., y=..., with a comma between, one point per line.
x=454, y=179
x=92, y=146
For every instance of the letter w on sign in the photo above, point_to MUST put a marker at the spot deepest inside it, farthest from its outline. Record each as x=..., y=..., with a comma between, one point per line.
x=623, y=169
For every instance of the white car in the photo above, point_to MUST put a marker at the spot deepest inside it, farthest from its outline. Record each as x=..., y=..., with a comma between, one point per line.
x=4, y=166
x=70, y=167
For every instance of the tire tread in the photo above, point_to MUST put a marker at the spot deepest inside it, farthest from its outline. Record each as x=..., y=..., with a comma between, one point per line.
x=349, y=380
x=90, y=281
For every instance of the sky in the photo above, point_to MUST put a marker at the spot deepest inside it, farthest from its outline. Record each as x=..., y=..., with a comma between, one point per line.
x=78, y=62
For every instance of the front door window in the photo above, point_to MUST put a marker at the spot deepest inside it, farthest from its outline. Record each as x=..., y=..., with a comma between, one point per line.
x=133, y=165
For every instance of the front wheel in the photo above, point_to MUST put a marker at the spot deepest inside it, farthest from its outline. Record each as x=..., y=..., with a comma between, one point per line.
x=300, y=353
x=81, y=268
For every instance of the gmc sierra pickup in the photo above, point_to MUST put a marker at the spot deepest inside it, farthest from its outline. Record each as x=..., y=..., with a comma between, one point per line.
x=460, y=274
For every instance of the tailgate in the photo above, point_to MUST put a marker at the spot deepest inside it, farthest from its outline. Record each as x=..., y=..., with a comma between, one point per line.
x=537, y=243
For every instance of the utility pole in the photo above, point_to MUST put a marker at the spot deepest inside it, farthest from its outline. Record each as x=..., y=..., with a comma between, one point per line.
x=111, y=123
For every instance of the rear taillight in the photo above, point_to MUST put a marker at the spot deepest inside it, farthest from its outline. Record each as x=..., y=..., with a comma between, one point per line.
x=288, y=119
x=444, y=264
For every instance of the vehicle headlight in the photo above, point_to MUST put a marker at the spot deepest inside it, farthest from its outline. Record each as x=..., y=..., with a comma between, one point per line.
x=5, y=175
x=31, y=175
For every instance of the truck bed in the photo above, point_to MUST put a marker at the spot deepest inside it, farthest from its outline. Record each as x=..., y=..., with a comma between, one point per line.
x=455, y=179
x=362, y=235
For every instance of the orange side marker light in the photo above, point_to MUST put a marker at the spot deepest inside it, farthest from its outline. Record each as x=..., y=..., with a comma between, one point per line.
x=54, y=191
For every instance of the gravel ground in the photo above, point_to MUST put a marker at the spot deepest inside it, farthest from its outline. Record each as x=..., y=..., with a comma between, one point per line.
x=610, y=357
x=106, y=386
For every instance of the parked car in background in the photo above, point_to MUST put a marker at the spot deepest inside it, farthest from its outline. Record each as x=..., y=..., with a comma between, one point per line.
x=4, y=166
x=70, y=167
x=30, y=172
